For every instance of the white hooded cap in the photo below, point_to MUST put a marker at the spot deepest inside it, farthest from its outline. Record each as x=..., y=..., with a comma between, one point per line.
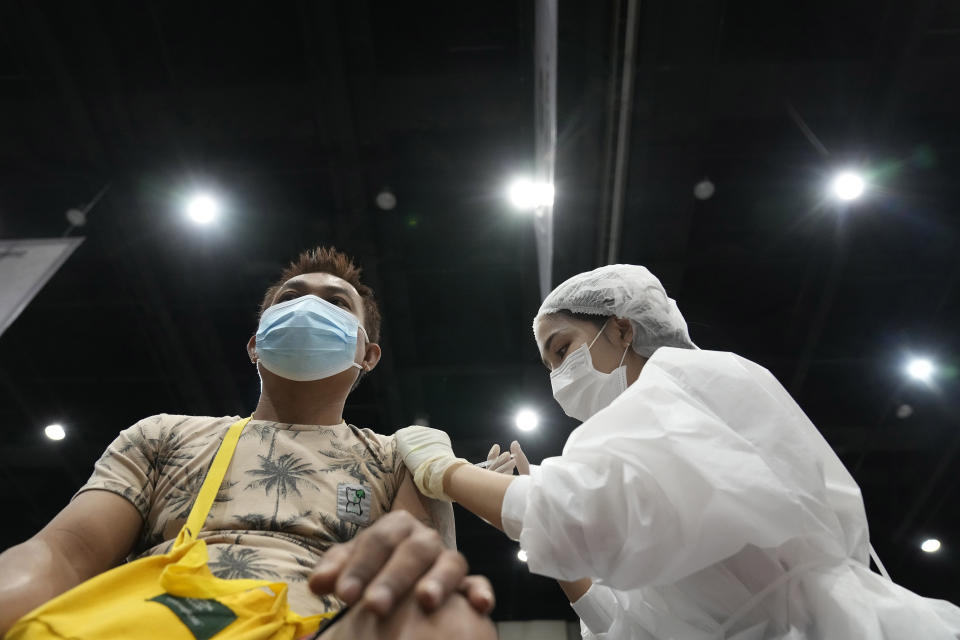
x=625, y=291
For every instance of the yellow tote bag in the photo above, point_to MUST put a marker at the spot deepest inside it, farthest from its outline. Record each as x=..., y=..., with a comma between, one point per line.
x=172, y=596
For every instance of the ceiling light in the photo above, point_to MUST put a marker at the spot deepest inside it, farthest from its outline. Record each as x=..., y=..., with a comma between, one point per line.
x=904, y=411
x=522, y=555
x=386, y=200
x=921, y=369
x=203, y=208
x=55, y=432
x=930, y=545
x=527, y=420
x=76, y=217
x=848, y=185
x=704, y=189
x=526, y=194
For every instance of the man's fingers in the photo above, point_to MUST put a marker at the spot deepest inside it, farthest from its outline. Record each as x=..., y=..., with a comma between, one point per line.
x=370, y=551
x=494, y=452
x=523, y=465
x=382, y=563
x=444, y=577
x=323, y=579
x=479, y=593
x=411, y=560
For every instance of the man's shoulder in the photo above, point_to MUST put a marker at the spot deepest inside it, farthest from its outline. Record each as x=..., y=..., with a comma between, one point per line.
x=381, y=447
x=161, y=424
x=371, y=437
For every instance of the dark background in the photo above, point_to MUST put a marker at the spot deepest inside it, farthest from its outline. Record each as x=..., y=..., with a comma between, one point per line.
x=298, y=113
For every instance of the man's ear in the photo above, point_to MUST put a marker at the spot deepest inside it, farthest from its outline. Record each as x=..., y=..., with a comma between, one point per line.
x=371, y=357
x=252, y=348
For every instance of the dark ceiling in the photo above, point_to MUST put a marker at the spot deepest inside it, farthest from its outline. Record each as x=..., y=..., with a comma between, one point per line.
x=299, y=113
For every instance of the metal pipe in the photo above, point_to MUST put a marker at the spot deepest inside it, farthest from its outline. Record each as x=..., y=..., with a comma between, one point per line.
x=545, y=131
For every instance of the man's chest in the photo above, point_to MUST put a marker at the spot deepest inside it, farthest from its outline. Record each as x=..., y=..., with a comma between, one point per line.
x=311, y=486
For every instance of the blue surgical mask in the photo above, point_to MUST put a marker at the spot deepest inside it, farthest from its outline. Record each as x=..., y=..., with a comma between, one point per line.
x=307, y=338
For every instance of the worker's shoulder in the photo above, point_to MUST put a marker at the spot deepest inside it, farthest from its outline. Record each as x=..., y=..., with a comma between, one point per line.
x=668, y=356
x=704, y=365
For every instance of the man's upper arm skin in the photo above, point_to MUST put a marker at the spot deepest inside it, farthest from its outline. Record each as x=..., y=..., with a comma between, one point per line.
x=435, y=514
x=410, y=500
x=96, y=531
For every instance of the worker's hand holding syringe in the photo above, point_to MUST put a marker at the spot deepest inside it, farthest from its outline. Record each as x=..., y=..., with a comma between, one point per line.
x=507, y=461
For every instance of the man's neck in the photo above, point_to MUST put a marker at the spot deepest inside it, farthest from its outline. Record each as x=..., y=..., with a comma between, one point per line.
x=299, y=403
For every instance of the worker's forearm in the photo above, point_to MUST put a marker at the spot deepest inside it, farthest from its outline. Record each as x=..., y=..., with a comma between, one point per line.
x=575, y=590
x=33, y=573
x=479, y=491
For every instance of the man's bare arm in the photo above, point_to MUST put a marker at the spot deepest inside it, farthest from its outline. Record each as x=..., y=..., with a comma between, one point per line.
x=93, y=533
x=435, y=514
x=409, y=499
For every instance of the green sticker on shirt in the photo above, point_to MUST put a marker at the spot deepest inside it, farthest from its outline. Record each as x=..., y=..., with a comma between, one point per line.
x=204, y=618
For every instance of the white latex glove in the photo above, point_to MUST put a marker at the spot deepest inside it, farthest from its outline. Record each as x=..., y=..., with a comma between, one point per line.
x=506, y=462
x=499, y=462
x=428, y=454
x=520, y=458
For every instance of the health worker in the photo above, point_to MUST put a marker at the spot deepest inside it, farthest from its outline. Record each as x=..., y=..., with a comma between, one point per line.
x=695, y=502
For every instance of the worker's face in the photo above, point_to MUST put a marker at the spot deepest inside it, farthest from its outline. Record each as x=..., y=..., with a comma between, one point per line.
x=559, y=335
x=338, y=292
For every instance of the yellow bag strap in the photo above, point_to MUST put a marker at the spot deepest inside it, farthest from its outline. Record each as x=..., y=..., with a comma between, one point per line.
x=211, y=485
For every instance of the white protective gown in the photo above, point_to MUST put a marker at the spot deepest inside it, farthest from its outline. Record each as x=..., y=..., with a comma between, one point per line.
x=706, y=505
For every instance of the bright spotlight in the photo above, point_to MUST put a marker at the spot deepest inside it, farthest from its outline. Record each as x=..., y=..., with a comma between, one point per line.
x=704, y=189
x=203, y=208
x=920, y=369
x=526, y=194
x=848, y=186
x=522, y=555
x=55, y=432
x=527, y=420
x=386, y=200
x=931, y=545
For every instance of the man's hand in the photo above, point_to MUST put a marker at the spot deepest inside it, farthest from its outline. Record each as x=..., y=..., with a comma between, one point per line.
x=396, y=555
x=408, y=621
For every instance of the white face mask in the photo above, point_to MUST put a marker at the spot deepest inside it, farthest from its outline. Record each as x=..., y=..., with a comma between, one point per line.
x=580, y=389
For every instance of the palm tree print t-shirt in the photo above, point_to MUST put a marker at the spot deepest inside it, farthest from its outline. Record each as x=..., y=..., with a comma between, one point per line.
x=290, y=493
